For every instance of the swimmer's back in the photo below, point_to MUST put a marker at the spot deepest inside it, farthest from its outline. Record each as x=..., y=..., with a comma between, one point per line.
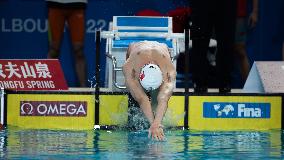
x=147, y=48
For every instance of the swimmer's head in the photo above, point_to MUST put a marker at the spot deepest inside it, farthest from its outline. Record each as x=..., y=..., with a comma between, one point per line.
x=150, y=77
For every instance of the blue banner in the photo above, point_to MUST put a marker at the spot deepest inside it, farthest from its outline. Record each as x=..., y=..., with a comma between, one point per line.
x=236, y=110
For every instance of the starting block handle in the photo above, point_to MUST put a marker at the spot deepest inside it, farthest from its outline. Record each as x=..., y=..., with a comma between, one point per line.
x=117, y=35
x=115, y=69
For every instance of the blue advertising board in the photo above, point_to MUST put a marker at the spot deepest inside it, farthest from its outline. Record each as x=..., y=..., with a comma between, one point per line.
x=236, y=110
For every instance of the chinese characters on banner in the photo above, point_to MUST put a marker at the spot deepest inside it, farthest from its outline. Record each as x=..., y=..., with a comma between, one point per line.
x=30, y=74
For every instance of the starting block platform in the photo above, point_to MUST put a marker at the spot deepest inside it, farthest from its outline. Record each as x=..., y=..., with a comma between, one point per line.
x=265, y=77
x=125, y=30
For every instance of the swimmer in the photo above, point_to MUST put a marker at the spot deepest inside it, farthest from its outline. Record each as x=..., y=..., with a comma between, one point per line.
x=148, y=67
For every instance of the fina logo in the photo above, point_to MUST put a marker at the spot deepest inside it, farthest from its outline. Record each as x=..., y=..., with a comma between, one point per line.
x=236, y=110
x=53, y=108
x=228, y=109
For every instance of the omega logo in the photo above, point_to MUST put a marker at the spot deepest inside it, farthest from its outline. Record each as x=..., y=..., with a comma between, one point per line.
x=53, y=108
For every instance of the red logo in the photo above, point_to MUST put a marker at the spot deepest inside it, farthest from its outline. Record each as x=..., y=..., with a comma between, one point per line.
x=54, y=108
x=142, y=76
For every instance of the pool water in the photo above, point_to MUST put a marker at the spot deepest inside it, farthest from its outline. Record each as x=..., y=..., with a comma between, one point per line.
x=16, y=143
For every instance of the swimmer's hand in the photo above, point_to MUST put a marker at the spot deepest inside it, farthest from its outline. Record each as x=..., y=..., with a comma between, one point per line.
x=156, y=132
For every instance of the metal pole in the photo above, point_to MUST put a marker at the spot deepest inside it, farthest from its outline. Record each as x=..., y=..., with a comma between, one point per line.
x=2, y=106
x=97, y=88
x=186, y=78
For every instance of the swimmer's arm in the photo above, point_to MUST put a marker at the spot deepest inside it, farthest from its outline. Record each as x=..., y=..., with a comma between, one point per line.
x=139, y=95
x=142, y=99
x=163, y=98
x=156, y=130
x=164, y=95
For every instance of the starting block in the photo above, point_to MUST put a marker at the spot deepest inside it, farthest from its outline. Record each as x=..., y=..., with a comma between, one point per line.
x=129, y=29
x=265, y=77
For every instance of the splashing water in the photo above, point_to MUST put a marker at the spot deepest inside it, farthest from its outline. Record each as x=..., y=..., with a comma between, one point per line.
x=172, y=118
x=93, y=82
x=136, y=119
x=120, y=115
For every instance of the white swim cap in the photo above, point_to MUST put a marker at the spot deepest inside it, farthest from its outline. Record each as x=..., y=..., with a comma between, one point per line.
x=150, y=77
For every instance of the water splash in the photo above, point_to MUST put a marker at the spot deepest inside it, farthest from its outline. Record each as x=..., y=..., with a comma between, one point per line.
x=137, y=119
x=120, y=116
x=171, y=118
x=93, y=82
